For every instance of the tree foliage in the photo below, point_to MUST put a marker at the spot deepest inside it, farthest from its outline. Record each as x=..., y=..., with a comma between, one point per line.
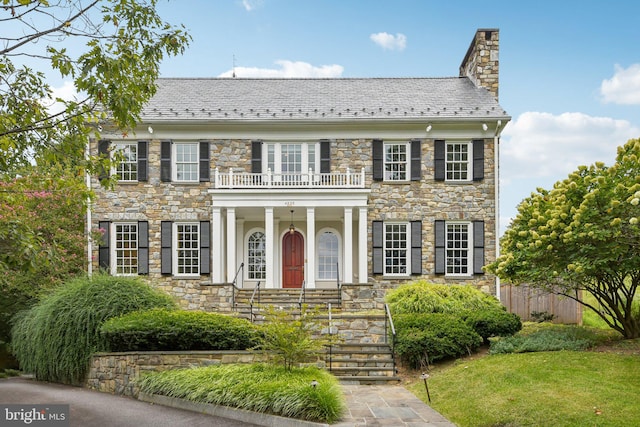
x=110, y=49
x=583, y=235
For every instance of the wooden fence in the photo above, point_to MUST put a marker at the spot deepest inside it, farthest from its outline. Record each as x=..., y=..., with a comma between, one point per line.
x=524, y=300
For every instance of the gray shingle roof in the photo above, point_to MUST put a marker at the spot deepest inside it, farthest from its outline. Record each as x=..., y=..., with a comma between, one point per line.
x=235, y=99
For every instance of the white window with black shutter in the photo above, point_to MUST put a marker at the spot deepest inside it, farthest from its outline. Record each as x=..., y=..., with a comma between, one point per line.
x=185, y=248
x=397, y=248
x=129, y=159
x=124, y=249
x=459, y=247
x=459, y=161
x=396, y=160
x=182, y=161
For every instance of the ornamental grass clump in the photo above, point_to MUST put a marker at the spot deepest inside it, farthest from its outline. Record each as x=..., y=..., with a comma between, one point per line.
x=309, y=394
x=55, y=339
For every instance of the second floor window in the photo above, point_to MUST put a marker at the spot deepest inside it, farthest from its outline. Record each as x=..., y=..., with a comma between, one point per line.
x=396, y=162
x=127, y=167
x=291, y=160
x=186, y=162
x=458, y=164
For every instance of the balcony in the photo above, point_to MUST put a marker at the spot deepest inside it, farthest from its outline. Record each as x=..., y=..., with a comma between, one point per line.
x=311, y=179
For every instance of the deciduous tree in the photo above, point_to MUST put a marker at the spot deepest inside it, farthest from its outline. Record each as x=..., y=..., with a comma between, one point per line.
x=583, y=235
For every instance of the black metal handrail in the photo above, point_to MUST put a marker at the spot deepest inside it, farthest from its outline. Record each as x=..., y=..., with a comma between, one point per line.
x=302, y=298
x=235, y=289
x=388, y=325
x=330, y=339
x=253, y=296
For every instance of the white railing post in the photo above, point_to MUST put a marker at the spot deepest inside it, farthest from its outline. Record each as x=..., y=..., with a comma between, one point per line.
x=310, y=183
x=348, y=183
x=269, y=177
x=216, y=179
x=231, y=183
x=362, y=178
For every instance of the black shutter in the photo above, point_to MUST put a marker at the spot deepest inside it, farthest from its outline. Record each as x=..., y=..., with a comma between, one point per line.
x=416, y=163
x=439, y=160
x=103, y=151
x=325, y=156
x=478, y=159
x=143, y=164
x=440, y=258
x=256, y=157
x=143, y=247
x=205, y=247
x=478, y=247
x=166, y=233
x=416, y=247
x=103, y=249
x=378, y=242
x=205, y=165
x=378, y=159
x=165, y=161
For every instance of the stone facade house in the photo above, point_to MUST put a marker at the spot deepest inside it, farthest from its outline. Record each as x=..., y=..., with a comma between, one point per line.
x=361, y=184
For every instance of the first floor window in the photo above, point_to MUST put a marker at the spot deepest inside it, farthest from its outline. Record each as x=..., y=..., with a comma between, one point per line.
x=256, y=260
x=458, y=249
x=187, y=249
x=395, y=249
x=126, y=248
x=327, y=256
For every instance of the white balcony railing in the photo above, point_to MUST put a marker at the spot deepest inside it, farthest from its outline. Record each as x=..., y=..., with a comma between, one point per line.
x=311, y=179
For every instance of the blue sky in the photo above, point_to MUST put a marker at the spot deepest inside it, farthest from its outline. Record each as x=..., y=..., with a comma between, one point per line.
x=569, y=70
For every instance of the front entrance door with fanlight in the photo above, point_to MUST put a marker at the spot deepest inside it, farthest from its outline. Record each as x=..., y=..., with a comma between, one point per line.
x=292, y=260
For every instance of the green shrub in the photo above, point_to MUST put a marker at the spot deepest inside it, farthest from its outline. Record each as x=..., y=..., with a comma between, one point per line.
x=162, y=329
x=494, y=322
x=56, y=337
x=425, y=338
x=546, y=339
x=424, y=297
x=260, y=388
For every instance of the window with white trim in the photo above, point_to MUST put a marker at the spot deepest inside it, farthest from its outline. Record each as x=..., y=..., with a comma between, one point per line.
x=396, y=161
x=187, y=248
x=458, y=249
x=125, y=256
x=186, y=162
x=127, y=167
x=396, y=249
x=291, y=160
x=256, y=256
x=458, y=161
x=328, y=255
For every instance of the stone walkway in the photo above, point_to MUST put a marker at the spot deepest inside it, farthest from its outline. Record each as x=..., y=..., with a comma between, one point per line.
x=388, y=405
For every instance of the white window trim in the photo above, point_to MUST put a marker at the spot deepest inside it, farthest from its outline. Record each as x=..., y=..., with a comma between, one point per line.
x=114, y=247
x=117, y=146
x=407, y=145
x=317, y=249
x=470, y=248
x=175, y=249
x=246, y=252
x=407, y=248
x=174, y=162
x=469, y=145
x=277, y=156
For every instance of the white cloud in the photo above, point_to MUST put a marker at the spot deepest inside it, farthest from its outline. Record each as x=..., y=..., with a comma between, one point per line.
x=623, y=87
x=288, y=69
x=546, y=145
x=66, y=92
x=389, y=41
x=250, y=5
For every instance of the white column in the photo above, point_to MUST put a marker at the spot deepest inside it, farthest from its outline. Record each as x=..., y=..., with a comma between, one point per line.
x=268, y=237
x=363, y=261
x=231, y=244
x=310, y=272
x=348, y=246
x=216, y=245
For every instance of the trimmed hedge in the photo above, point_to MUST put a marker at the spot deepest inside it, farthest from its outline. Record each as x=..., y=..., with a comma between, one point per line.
x=178, y=330
x=56, y=337
x=493, y=323
x=424, y=338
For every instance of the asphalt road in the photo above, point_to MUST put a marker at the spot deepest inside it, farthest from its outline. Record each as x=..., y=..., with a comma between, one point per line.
x=91, y=408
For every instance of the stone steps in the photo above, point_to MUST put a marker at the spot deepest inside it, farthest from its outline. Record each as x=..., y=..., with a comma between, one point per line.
x=362, y=363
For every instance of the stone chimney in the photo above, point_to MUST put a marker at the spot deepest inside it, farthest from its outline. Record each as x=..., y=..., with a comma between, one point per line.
x=481, y=62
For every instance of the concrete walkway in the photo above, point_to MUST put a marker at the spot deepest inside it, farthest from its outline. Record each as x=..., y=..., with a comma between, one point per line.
x=388, y=405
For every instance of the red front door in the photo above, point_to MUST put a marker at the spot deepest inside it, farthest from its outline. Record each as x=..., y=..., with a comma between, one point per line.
x=292, y=260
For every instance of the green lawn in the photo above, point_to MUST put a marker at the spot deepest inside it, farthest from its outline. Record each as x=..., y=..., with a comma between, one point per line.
x=565, y=388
